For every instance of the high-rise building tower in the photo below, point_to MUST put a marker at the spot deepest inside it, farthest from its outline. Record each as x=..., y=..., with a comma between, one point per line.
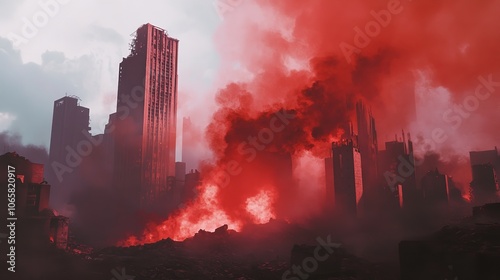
x=347, y=177
x=70, y=125
x=70, y=133
x=368, y=145
x=146, y=117
x=397, y=167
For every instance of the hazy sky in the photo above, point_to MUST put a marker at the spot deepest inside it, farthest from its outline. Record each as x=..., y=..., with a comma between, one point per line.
x=52, y=47
x=74, y=47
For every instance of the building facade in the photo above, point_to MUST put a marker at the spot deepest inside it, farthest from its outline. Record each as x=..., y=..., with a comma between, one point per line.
x=436, y=188
x=70, y=126
x=146, y=117
x=347, y=177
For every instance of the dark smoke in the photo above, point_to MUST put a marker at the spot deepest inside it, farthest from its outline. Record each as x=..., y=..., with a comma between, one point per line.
x=12, y=142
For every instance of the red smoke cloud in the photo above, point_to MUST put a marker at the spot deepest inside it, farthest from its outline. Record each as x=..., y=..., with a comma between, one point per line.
x=290, y=74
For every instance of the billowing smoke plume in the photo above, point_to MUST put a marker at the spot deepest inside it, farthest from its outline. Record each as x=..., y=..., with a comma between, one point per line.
x=13, y=143
x=291, y=72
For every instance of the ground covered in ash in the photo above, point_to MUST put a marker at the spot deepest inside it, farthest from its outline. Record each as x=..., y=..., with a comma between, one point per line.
x=469, y=249
x=258, y=252
x=465, y=251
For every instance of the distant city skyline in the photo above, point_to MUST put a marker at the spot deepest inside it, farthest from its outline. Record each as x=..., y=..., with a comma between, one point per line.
x=75, y=55
x=85, y=62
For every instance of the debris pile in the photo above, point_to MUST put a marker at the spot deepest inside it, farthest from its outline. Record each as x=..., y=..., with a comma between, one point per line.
x=470, y=250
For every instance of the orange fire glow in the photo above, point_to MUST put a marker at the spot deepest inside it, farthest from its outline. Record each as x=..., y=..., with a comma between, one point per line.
x=260, y=207
x=203, y=213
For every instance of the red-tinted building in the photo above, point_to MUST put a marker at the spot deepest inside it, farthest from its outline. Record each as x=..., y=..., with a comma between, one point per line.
x=36, y=223
x=368, y=145
x=436, y=188
x=484, y=186
x=486, y=157
x=347, y=177
x=146, y=117
x=397, y=170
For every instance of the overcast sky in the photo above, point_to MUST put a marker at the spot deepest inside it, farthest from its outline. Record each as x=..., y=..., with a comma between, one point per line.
x=74, y=47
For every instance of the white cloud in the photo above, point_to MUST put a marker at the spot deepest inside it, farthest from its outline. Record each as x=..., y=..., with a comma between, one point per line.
x=6, y=120
x=79, y=49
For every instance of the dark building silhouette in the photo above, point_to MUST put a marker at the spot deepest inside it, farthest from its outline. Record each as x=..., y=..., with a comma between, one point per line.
x=177, y=189
x=435, y=188
x=368, y=145
x=330, y=189
x=107, y=149
x=347, y=177
x=397, y=170
x=68, y=144
x=486, y=157
x=192, y=181
x=32, y=192
x=484, y=187
x=70, y=125
x=180, y=173
x=37, y=224
x=146, y=118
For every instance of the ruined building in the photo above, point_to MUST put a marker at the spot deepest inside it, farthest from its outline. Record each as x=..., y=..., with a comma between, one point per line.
x=436, y=188
x=397, y=171
x=347, y=177
x=146, y=118
x=37, y=224
x=368, y=145
x=484, y=187
x=68, y=142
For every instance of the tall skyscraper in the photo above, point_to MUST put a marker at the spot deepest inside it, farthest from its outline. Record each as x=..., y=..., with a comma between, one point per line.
x=330, y=188
x=397, y=168
x=70, y=132
x=368, y=145
x=347, y=177
x=70, y=125
x=146, y=117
